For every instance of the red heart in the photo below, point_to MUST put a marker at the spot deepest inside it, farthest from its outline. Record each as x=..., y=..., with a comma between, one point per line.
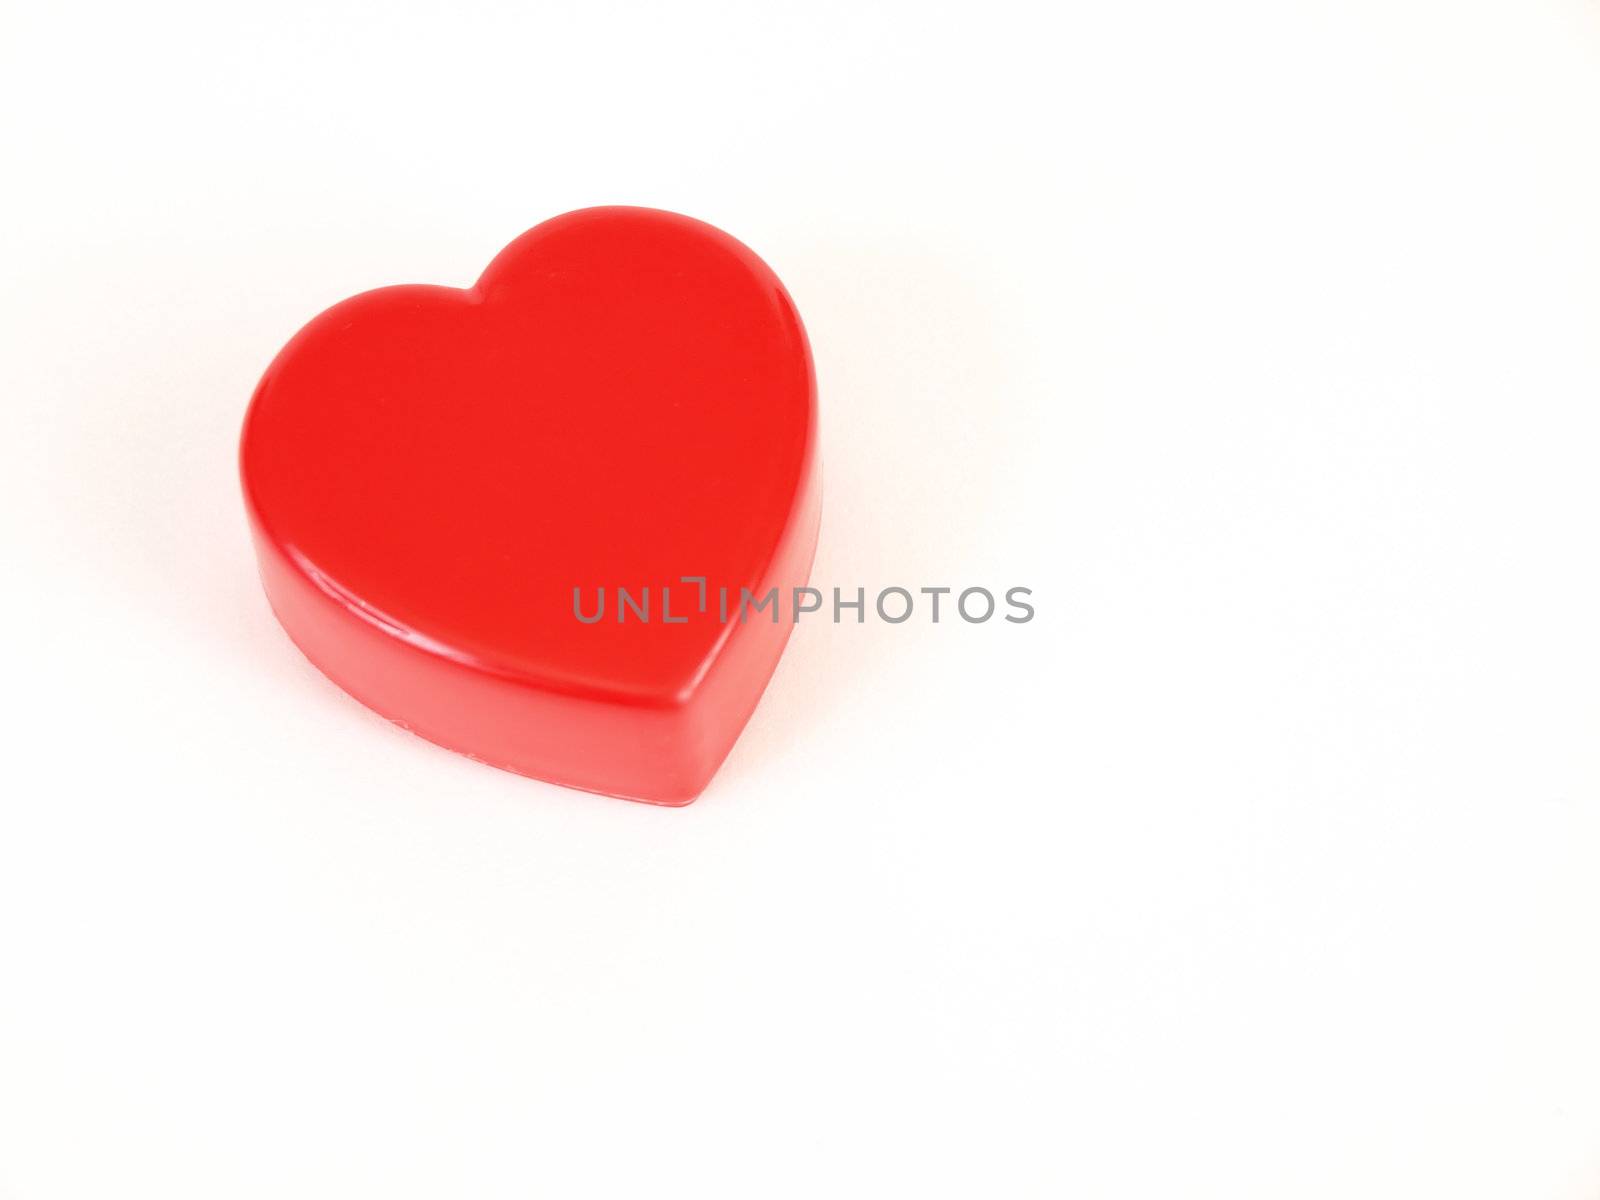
x=624, y=398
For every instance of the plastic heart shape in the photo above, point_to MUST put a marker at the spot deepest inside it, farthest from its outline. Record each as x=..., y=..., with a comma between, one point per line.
x=443, y=483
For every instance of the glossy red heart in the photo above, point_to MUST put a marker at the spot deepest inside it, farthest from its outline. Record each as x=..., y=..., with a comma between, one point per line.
x=624, y=399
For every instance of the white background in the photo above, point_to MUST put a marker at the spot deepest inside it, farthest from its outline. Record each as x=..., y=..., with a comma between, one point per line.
x=1261, y=340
